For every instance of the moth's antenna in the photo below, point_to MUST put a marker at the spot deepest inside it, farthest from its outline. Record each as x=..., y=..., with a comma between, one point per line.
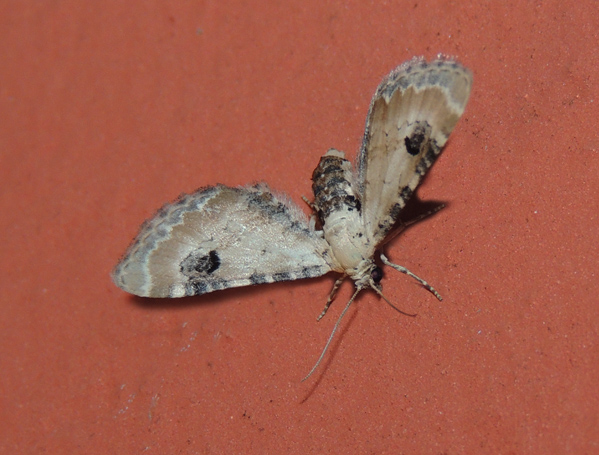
x=401, y=269
x=326, y=346
x=379, y=292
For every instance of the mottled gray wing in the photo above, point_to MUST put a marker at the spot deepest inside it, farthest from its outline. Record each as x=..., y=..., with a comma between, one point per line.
x=411, y=115
x=218, y=238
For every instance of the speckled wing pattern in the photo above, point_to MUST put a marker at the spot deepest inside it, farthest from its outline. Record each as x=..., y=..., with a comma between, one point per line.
x=411, y=115
x=221, y=237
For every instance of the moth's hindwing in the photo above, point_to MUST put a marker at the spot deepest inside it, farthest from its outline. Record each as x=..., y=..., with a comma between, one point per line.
x=218, y=238
x=411, y=115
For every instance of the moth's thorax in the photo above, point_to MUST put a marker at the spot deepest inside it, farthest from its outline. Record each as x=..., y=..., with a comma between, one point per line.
x=339, y=209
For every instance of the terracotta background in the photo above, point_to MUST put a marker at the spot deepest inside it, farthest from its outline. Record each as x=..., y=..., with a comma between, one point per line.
x=110, y=109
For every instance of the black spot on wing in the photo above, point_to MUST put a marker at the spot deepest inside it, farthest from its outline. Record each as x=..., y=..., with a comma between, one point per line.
x=413, y=143
x=213, y=261
x=419, y=139
x=198, y=263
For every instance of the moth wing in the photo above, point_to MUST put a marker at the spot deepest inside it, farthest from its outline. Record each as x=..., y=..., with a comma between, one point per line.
x=221, y=237
x=411, y=115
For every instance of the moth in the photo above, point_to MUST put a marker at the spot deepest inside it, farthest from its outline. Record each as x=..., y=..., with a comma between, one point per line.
x=222, y=237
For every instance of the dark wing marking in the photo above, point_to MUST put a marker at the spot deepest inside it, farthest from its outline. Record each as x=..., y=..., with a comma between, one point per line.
x=411, y=115
x=221, y=237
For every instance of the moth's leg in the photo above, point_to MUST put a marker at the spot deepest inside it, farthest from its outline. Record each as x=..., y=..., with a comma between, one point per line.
x=401, y=269
x=310, y=204
x=331, y=297
x=401, y=225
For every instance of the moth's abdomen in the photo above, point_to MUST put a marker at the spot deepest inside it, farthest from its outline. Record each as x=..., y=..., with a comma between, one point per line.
x=339, y=209
x=332, y=186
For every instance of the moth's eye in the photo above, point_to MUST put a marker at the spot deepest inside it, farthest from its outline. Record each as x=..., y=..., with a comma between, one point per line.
x=376, y=274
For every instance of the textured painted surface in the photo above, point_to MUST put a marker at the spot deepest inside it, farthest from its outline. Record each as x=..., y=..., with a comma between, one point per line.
x=111, y=109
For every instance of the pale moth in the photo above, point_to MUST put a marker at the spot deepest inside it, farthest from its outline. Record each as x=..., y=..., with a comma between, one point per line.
x=222, y=237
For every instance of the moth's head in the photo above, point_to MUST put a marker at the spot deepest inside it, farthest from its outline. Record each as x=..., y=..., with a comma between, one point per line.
x=367, y=274
x=375, y=277
x=376, y=274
